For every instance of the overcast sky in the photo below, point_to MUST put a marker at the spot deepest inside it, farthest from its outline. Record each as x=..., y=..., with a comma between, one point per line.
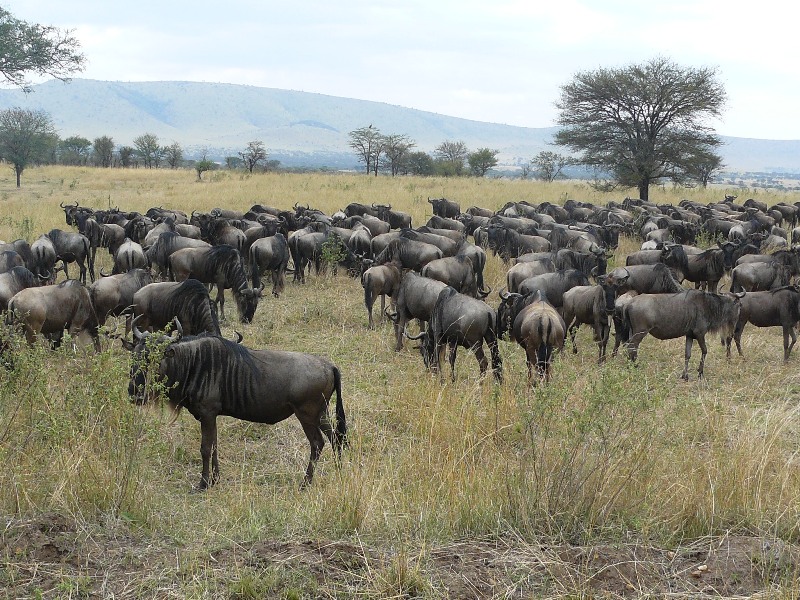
x=500, y=61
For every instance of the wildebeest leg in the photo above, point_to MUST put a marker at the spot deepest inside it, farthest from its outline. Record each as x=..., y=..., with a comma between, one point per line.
x=483, y=362
x=317, y=443
x=497, y=362
x=701, y=341
x=452, y=349
x=221, y=301
x=64, y=268
x=327, y=428
x=633, y=345
x=787, y=347
x=737, y=337
x=383, y=308
x=573, y=330
x=603, y=333
x=208, y=451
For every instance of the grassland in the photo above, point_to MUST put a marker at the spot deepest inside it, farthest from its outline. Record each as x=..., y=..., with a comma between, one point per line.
x=613, y=480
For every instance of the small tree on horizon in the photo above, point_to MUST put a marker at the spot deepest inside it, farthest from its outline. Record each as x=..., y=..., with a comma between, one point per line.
x=368, y=144
x=103, y=150
x=548, y=166
x=450, y=157
x=26, y=136
x=254, y=154
x=481, y=161
x=148, y=150
x=173, y=155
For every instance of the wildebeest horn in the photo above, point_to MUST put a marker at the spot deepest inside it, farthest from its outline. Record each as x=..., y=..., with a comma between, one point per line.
x=504, y=295
x=391, y=316
x=239, y=336
x=419, y=336
x=61, y=204
x=484, y=293
x=215, y=212
x=178, y=328
x=194, y=213
x=103, y=274
x=43, y=278
x=137, y=334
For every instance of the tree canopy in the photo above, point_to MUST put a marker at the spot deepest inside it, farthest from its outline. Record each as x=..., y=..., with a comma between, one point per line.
x=482, y=160
x=26, y=136
x=33, y=48
x=642, y=123
x=254, y=154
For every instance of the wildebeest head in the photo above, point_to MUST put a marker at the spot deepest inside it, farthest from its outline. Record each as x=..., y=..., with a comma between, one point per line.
x=148, y=349
x=510, y=305
x=247, y=302
x=426, y=347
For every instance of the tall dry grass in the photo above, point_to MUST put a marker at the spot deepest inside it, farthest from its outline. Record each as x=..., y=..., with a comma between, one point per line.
x=604, y=452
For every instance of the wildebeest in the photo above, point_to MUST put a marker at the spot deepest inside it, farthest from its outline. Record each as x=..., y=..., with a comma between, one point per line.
x=156, y=305
x=51, y=309
x=536, y=326
x=445, y=208
x=15, y=280
x=21, y=247
x=588, y=304
x=168, y=242
x=759, y=276
x=553, y=285
x=773, y=308
x=10, y=259
x=415, y=299
x=457, y=272
x=73, y=247
x=129, y=256
x=691, y=313
x=210, y=376
x=459, y=320
x=409, y=253
x=707, y=267
x=113, y=294
x=523, y=270
x=222, y=266
x=270, y=254
x=44, y=257
x=644, y=279
x=380, y=280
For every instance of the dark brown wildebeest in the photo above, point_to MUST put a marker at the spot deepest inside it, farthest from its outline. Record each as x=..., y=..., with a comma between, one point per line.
x=73, y=247
x=409, y=253
x=691, y=314
x=210, y=376
x=51, y=309
x=380, y=280
x=457, y=272
x=113, y=294
x=459, y=320
x=443, y=207
x=553, y=285
x=157, y=305
x=588, y=304
x=759, y=276
x=415, y=299
x=773, y=308
x=10, y=259
x=644, y=279
x=270, y=254
x=707, y=267
x=16, y=280
x=129, y=256
x=536, y=326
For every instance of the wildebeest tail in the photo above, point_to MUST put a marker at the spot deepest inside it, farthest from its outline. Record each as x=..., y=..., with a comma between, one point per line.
x=368, y=299
x=89, y=257
x=341, y=421
x=544, y=333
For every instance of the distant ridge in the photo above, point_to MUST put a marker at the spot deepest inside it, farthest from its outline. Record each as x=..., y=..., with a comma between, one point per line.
x=300, y=128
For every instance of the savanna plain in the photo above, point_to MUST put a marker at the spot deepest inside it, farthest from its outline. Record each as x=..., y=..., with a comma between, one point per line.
x=611, y=481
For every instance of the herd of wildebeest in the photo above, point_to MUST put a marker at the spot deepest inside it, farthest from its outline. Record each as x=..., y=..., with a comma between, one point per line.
x=166, y=261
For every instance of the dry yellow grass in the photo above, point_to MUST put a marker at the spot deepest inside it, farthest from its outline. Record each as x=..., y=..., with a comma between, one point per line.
x=603, y=454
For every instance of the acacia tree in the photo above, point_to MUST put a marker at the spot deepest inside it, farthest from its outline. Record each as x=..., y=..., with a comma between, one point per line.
x=641, y=123
x=32, y=48
x=103, y=151
x=173, y=154
x=74, y=150
x=368, y=144
x=253, y=155
x=450, y=157
x=26, y=136
x=548, y=166
x=127, y=154
x=148, y=150
x=396, y=150
x=482, y=160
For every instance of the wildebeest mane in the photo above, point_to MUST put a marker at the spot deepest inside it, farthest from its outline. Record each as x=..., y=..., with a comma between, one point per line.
x=191, y=303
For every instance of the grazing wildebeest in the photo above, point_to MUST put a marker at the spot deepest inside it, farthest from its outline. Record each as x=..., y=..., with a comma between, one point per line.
x=380, y=280
x=524, y=270
x=707, y=267
x=270, y=254
x=759, y=276
x=44, y=257
x=644, y=279
x=210, y=376
x=459, y=320
x=15, y=280
x=168, y=242
x=773, y=308
x=457, y=272
x=409, y=253
x=588, y=304
x=536, y=326
x=73, y=247
x=51, y=309
x=415, y=299
x=553, y=285
x=445, y=208
x=113, y=294
x=156, y=305
x=691, y=313
x=621, y=333
x=222, y=266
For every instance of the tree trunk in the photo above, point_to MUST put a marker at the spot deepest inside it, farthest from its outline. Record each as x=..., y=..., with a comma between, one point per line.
x=18, y=171
x=644, y=188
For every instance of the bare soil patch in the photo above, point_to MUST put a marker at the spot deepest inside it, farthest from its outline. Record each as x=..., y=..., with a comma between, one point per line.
x=51, y=556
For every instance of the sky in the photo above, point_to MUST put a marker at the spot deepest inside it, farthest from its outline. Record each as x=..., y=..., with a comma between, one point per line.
x=499, y=61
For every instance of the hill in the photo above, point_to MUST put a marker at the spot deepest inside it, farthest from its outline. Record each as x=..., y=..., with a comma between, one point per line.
x=300, y=128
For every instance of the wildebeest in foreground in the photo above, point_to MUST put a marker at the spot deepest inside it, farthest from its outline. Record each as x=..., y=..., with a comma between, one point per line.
x=210, y=376
x=691, y=313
